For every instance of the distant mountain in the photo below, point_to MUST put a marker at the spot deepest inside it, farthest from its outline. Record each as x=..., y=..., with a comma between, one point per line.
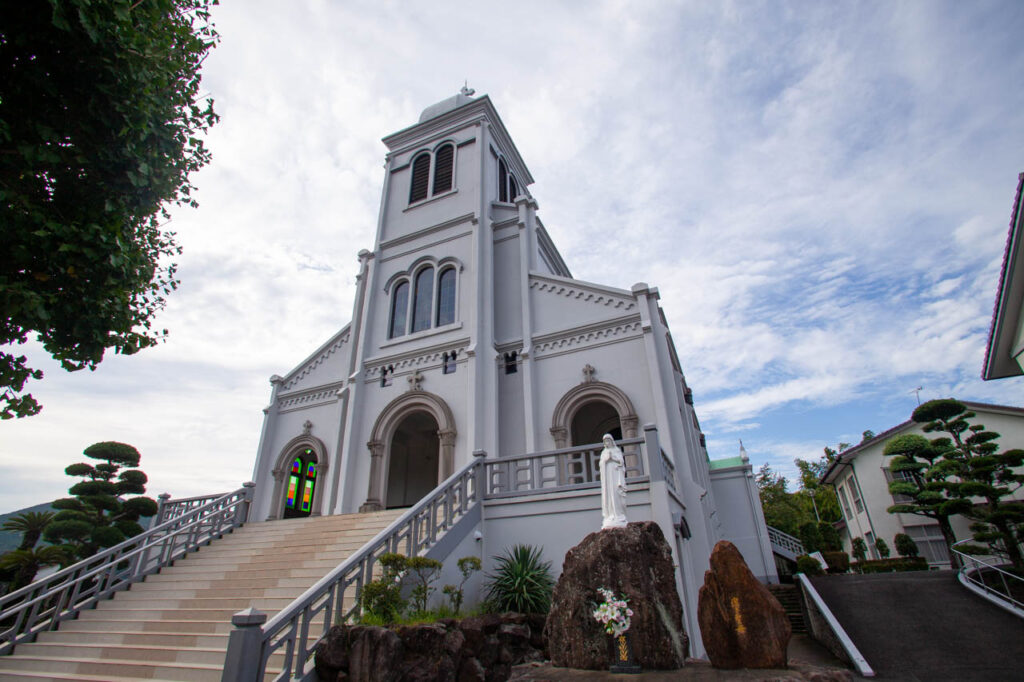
x=10, y=539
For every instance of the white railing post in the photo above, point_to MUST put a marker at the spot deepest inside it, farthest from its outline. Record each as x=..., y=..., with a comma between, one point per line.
x=651, y=459
x=243, y=662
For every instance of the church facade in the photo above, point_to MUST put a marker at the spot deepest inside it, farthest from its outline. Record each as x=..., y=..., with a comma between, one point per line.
x=470, y=338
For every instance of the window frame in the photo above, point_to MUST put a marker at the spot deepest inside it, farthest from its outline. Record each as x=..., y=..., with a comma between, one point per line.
x=431, y=190
x=409, y=279
x=507, y=180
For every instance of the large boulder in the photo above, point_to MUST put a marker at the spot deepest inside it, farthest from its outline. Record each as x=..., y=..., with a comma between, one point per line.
x=741, y=623
x=634, y=561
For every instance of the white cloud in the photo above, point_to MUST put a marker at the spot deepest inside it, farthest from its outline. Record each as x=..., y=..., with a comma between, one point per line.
x=820, y=193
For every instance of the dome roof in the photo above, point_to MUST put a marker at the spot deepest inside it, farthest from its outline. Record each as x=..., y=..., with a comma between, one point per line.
x=446, y=105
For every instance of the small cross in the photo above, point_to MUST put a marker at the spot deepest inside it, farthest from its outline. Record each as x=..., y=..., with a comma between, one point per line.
x=588, y=373
x=414, y=381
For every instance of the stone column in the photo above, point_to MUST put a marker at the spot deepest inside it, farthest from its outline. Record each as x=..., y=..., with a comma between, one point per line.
x=447, y=463
x=375, y=494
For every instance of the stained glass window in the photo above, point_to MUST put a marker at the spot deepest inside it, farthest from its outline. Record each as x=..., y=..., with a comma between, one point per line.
x=297, y=466
x=293, y=488
x=307, y=493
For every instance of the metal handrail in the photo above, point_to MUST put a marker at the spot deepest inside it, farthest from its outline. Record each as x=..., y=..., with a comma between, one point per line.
x=556, y=470
x=970, y=569
x=46, y=602
x=784, y=541
x=303, y=623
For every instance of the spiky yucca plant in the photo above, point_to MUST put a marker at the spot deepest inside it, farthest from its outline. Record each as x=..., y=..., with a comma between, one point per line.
x=522, y=582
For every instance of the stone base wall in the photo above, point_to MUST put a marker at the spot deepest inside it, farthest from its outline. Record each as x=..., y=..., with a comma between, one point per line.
x=475, y=649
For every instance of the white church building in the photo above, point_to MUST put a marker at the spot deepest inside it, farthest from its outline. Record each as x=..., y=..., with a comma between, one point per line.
x=471, y=341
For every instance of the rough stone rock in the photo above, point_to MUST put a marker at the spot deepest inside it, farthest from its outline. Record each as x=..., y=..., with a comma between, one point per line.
x=375, y=655
x=471, y=671
x=476, y=628
x=332, y=653
x=741, y=623
x=634, y=561
x=432, y=652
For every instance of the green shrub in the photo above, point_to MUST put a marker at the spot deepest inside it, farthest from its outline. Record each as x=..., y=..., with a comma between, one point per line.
x=905, y=545
x=422, y=571
x=882, y=548
x=521, y=581
x=838, y=562
x=808, y=565
x=918, y=563
x=860, y=549
x=381, y=601
x=468, y=565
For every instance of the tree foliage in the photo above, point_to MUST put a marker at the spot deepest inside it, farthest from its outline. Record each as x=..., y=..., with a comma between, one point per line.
x=23, y=564
x=960, y=472
x=30, y=524
x=100, y=515
x=100, y=124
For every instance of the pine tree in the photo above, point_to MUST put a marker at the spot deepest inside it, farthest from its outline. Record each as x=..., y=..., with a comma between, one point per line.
x=98, y=516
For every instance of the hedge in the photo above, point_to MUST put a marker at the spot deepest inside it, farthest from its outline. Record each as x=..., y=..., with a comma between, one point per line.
x=917, y=563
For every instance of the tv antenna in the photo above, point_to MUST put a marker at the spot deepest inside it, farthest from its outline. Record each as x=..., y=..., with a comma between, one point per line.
x=917, y=392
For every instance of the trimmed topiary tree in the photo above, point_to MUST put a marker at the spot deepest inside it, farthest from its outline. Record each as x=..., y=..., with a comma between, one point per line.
x=100, y=514
x=808, y=565
x=882, y=548
x=859, y=549
x=905, y=545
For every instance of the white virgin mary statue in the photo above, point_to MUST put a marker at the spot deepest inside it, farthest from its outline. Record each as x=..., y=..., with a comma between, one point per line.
x=613, y=484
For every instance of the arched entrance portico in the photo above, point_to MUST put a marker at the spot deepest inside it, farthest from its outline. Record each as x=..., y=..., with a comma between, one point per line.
x=589, y=407
x=412, y=448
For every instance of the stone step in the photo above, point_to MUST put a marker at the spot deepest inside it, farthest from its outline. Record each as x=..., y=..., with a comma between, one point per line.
x=122, y=652
x=233, y=604
x=135, y=638
x=166, y=625
x=110, y=669
x=224, y=587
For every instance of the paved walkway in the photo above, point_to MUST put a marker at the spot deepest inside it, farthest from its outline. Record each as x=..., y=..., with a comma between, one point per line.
x=807, y=658
x=925, y=626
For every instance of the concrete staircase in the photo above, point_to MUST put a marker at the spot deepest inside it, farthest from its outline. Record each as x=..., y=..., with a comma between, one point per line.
x=789, y=597
x=175, y=624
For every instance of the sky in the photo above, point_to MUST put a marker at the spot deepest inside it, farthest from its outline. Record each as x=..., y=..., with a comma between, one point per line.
x=821, y=192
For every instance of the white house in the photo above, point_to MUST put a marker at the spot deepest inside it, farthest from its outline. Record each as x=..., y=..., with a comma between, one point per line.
x=861, y=475
x=470, y=338
x=1004, y=356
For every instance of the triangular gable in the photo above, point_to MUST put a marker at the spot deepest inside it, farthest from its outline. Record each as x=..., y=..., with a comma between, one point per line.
x=328, y=364
x=564, y=303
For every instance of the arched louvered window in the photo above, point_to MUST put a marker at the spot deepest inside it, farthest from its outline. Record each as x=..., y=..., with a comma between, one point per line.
x=444, y=162
x=513, y=188
x=424, y=300
x=446, y=297
x=502, y=181
x=399, y=310
x=420, y=178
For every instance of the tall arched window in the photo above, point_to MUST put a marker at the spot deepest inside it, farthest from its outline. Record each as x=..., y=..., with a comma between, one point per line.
x=420, y=178
x=424, y=300
x=298, y=499
x=508, y=188
x=502, y=181
x=446, y=297
x=399, y=310
x=444, y=161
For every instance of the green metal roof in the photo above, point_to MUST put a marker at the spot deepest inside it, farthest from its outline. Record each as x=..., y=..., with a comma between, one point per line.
x=726, y=463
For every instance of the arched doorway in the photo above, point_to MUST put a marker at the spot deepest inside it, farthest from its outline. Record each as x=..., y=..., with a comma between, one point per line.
x=592, y=420
x=298, y=499
x=413, y=458
x=401, y=432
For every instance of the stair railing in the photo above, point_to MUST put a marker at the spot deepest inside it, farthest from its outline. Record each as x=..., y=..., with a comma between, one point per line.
x=303, y=623
x=45, y=603
x=785, y=544
x=990, y=581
